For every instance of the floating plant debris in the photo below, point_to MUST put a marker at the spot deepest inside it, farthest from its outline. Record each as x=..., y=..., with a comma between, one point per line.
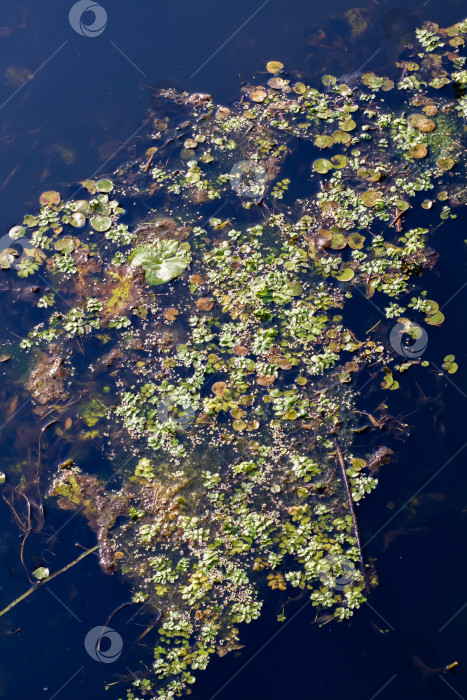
x=224, y=390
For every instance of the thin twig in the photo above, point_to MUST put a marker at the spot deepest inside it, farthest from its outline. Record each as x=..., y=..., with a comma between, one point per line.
x=340, y=459
x=120, y=607
x=46, y=580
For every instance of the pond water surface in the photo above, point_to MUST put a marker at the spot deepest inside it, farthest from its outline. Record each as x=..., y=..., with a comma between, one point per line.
x=79, y=117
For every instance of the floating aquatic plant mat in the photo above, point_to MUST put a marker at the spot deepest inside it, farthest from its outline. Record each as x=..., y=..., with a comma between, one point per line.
x=204, y=345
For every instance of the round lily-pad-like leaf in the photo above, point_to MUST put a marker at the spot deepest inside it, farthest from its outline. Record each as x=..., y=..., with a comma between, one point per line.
x=101, y=223
x=388, y=84
x=341, y=137
x=187, y=154
x=402, y=205
x=30, y=221
x=7, y=258
x=347, y=125
x=339, y=241
x=49, y=199
x=299, y=88
x=373, y=81
x=418, y=151
x=274, y=66
x=41, y=573
x=65, y=244
x=328, y=80
x=17, y=232
x=356, y=241
x=438, y=83
x=239, y=425
x=433, y=307
x=77, y=219
x=161, y=263
x=277, y=83
x=258, y=95
x=435, y=319
x=445, y=163
x=293, y=288
x=104, y=186
x=89, y=185
x=414, y=119
x=345, y=275
x=370, y=198
x=82, y=206
x=450, y=365
x=426, y=125
x=339, y=161
x=323, y=141
x=322, y=166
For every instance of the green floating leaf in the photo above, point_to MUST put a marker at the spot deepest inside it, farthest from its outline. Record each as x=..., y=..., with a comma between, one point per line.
x=300, y=88
x=356, y=241
x=328, y=80
x=7, y=258
x=338, y=241
x=17, y=232
x=30, y=221
x=345, y=275
x=161, y=263
x=104, y=185
x=322, y=166
x=49, y=199
x=371, y=198
x=450, y=365
x=101, y=223
x=82, y=206
x=348, y=125
x=402, y=204
x=41, y=573
x=341, y=137
x=323, y=141
x=89, y=185
x=77, y=220
x=65, y=244
x=445, y=163
x=433, y=307
x=339, y=162
x=436, y=319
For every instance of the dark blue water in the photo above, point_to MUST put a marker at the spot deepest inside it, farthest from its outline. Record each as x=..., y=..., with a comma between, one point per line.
x=83, y=113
